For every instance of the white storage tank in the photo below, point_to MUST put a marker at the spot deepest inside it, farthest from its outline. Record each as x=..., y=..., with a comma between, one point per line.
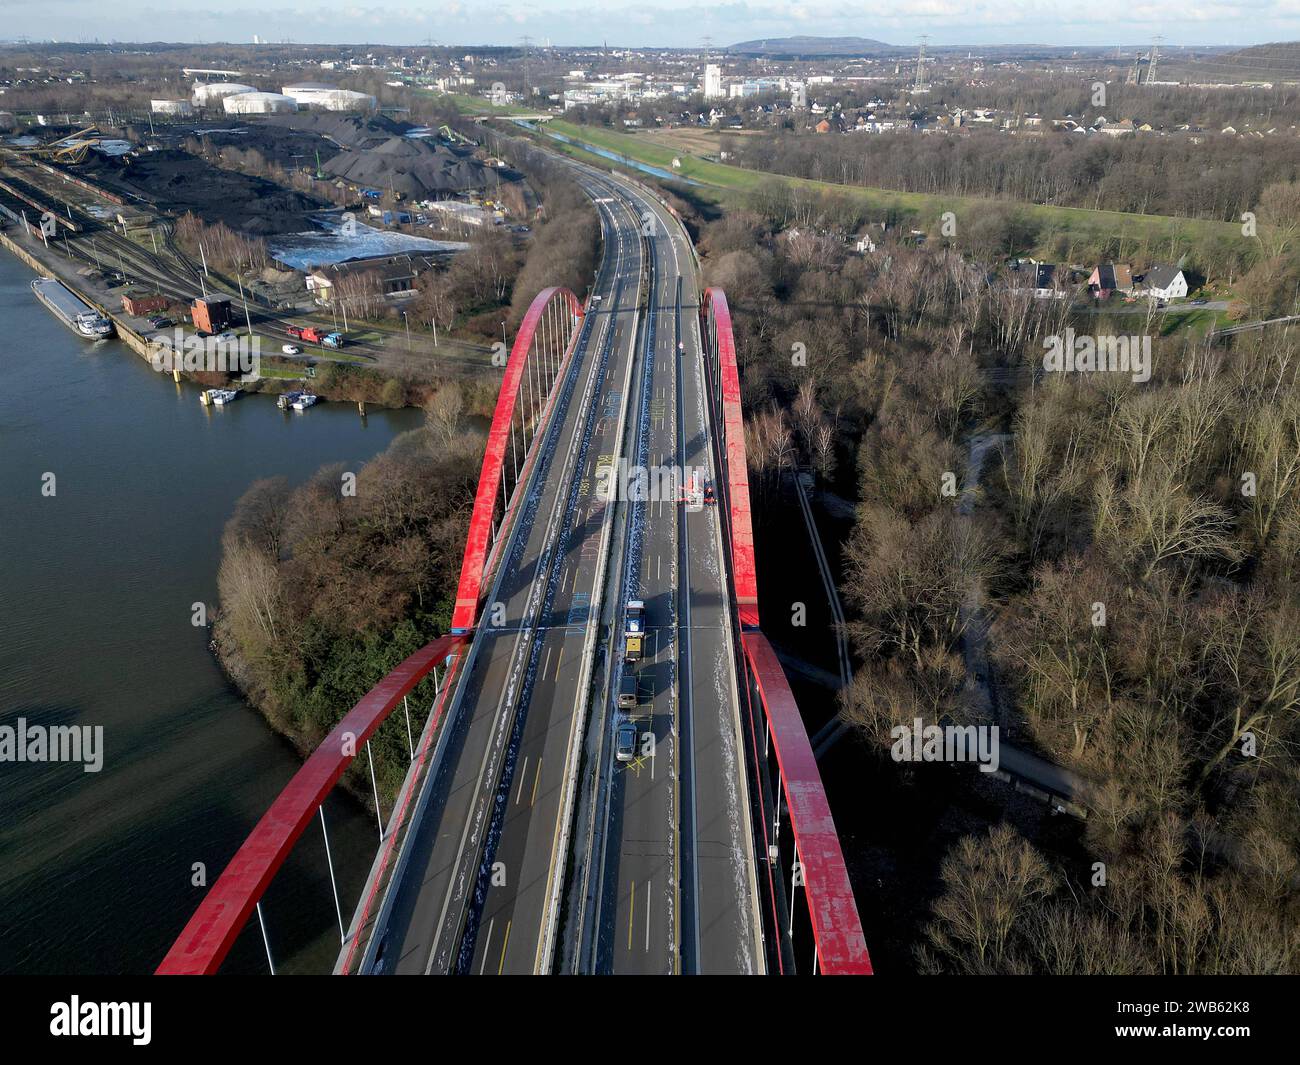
x=258, y=103
x=330, y=97
x=210, y=93
x=171, y=107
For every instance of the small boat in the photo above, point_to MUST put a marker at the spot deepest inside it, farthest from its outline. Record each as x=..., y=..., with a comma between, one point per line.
x=218, y=397
x=287, y=400
x=304, y=400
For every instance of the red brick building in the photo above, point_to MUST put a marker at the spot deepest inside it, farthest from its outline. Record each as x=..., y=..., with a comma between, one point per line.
x=141, y=304
x=211, y=314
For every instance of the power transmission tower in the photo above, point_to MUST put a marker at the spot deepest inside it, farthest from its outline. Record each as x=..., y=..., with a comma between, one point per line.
x=527, y=40
x=919, y=85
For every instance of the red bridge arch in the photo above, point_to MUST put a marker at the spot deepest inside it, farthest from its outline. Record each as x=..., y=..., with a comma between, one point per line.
x=537, y=359
x=837, y=931
x=206, y=940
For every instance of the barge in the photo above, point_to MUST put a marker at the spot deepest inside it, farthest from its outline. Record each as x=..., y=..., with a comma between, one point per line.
x=73, y=312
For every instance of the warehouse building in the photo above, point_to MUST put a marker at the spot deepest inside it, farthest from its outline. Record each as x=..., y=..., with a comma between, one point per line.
x=171, y=107
x=330, y=97
x=258, y=103
x=212, y=93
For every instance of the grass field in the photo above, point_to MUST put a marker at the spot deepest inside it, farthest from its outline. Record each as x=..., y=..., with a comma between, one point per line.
x=650, y=148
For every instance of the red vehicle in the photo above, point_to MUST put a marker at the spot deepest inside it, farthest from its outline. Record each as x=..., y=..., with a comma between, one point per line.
x=306, y=332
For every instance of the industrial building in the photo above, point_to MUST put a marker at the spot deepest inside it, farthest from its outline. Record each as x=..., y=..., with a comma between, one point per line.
x=713, y=89
x=210, y=314
x=455, y=211
x=171, y=107
x=208, y=94
x=330, y=97
x=258, y=103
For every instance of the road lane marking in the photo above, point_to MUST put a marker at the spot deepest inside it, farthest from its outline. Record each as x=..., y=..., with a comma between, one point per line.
x=631, y=912
x=504, y=943
x=647, y=916
x=523, y=770
x=536, y=780
x=487, y=943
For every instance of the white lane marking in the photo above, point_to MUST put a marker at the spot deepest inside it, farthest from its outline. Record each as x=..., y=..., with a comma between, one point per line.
x=523, y=769
x=488, y=943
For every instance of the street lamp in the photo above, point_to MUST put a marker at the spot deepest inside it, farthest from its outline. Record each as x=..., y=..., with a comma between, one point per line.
x=407, y=322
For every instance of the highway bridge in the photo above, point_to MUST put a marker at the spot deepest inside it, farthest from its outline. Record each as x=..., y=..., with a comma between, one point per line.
x=519, y=842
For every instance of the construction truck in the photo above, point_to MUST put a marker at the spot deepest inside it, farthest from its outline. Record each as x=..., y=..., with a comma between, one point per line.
x=633, y=630
x=315, y=335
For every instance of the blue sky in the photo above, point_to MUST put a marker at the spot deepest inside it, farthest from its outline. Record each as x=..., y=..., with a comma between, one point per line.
x=679, y=23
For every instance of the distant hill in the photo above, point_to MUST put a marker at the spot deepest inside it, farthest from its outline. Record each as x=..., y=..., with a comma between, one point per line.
x=813, y=46
x=1275, y=62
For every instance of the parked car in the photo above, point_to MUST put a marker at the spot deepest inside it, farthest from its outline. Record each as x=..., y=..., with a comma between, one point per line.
x=291, y=349
x=625, y=742
x=1201, y=301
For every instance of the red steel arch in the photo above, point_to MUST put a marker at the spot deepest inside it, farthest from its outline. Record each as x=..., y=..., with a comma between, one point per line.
x=717, y=322
x=534, y=326
x=837, y=929
x=206, y=940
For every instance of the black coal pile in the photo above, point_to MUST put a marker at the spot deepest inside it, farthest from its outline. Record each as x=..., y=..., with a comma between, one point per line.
x=347, y=131
x=176, y=181
x=290, y=148
x=413, y=167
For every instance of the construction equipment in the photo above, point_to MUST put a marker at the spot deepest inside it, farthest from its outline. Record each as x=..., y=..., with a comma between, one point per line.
x=71, y=149
x=452, y=136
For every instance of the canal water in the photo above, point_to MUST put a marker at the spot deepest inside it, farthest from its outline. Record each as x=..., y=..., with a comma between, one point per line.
x=97, y=586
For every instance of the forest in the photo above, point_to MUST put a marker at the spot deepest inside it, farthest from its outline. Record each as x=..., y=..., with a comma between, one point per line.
x=1214, y=176
x=326, y=586
x=1121, y=562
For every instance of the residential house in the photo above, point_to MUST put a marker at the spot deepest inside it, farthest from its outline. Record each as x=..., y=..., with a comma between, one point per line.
x=1045, y=280
x=1111, y=277
x=1117, y=129
x=1163, y=283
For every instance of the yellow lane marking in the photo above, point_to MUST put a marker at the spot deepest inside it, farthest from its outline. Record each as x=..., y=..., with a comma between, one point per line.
x=504, y=943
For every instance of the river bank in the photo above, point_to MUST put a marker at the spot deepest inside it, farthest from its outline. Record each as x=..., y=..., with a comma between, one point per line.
x=100, y=581
x=347, y=379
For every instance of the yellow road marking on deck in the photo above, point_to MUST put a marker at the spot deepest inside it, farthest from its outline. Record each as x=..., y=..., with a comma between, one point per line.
x=504, y=943
x=536, y=780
